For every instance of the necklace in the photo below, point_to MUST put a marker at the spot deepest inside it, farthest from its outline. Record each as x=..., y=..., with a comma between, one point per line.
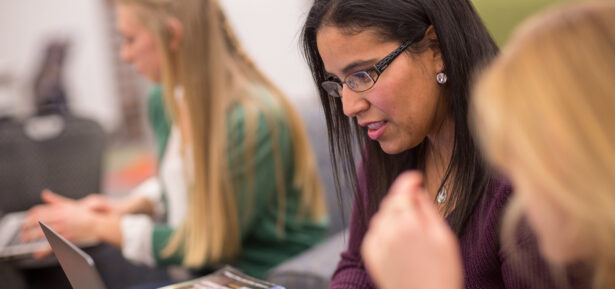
x=443, y=193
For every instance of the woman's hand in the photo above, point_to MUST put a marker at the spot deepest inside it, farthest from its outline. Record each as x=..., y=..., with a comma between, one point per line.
x=122, y=206
x=97, y=203
x=67, y=217
x=408, y=244
x=72, y=219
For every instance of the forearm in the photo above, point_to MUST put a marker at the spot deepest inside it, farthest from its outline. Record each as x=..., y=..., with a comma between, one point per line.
x=350, y=275
x=134, y=204
x=107, y=229
x=161, y=237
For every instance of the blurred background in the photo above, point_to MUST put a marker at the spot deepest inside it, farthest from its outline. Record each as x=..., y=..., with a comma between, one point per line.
x=73, y=115
x=96, y=84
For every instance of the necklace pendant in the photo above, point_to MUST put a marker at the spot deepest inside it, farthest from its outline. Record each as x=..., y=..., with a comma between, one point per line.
x=441, y=197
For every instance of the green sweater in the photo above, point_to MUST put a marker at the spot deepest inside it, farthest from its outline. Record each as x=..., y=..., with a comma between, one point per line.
x=158, y=119
x=261, y=248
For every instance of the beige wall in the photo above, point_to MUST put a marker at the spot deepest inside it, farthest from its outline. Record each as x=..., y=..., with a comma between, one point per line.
x=269, y=30
x=26, y=26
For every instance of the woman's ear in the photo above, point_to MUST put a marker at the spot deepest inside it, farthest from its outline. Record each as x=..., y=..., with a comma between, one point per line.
x=434, y=47
x=176, y=31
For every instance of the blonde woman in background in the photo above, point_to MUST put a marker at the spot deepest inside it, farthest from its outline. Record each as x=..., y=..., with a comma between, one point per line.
x=545, y=115
x=254, y=196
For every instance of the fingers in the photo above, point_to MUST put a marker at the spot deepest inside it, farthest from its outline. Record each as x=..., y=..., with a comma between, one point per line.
x=409, y=203
x=412, y=181
x=31, y=234
x=42, y=252
x=50, y=198
x=402, y=196
x=396, y=221
x=425, y=209
x=96, y=203
x=421, y=212
x=30, y=229
x=399, y=207
x=31, y=218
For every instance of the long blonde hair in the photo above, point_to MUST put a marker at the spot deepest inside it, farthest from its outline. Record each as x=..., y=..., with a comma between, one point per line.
x=215, y=75
x=548, y=102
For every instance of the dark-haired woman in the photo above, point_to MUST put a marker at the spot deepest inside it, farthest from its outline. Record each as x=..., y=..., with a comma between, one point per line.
x=394, y=75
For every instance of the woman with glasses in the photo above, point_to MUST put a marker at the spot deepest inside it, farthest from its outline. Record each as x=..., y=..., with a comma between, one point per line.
x=394, y=78
x=552, y=130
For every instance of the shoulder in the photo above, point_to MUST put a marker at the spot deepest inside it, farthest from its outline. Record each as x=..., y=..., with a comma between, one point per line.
x=497, y=194
x=155, y=103
x=256, y=117
x=154, y=95
x=487, y=216
x=257, y=104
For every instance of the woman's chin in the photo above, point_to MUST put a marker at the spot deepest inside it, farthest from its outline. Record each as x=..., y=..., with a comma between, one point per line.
x=393, y=146
x=390, y=148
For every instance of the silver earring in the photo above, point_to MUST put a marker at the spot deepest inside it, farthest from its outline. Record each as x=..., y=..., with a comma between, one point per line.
x=441, y=78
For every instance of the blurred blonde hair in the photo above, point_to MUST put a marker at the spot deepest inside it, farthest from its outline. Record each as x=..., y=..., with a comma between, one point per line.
x=215, y=75
x=548, y=103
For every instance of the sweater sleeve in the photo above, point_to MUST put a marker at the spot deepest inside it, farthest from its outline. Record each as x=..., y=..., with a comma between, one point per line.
x=520, y=262
x=253, y=176
x=161, y=235
x=159, y=121
x=151, y=190
x=350, y=271
x=522, y=265
x=137, y=239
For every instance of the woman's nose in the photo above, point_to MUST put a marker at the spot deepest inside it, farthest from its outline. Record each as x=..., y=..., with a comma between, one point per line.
x=353, y=103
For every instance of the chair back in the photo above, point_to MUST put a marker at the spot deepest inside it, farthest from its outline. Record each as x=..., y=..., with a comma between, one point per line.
x=61, y=152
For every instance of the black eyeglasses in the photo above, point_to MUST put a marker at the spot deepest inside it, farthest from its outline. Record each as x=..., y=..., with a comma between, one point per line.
x=365, y=79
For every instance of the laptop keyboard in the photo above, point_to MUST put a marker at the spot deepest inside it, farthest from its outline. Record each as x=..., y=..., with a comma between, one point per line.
x=10, y=242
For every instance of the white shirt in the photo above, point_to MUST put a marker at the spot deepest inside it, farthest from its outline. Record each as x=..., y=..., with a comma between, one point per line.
x=137, y=230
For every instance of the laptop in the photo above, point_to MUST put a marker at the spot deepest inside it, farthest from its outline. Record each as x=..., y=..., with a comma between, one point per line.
x=77, y=265
x=11, y=246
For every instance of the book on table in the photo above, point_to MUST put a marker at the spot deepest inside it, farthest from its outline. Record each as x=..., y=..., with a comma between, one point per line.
x=227, y=277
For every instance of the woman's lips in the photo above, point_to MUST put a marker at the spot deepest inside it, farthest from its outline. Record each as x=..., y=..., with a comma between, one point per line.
x=376, y=129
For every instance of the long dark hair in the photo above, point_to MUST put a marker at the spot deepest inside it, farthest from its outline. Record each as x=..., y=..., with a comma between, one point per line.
x=465, y=45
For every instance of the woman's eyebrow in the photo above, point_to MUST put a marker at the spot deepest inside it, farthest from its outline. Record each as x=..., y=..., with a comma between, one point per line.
x=359, y=63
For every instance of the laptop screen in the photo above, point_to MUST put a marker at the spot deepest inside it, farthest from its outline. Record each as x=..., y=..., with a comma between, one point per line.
x=77, y=265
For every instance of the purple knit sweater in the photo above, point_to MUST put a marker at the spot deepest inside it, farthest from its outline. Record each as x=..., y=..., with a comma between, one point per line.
x=486, y=265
